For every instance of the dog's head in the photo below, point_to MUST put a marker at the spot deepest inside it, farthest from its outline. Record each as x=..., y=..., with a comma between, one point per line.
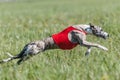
x=98, y=31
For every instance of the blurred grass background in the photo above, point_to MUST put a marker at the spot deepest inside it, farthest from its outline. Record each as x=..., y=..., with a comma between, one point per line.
x=22, y=21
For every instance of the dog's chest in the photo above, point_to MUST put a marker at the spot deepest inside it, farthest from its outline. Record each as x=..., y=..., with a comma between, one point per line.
x=71, y=37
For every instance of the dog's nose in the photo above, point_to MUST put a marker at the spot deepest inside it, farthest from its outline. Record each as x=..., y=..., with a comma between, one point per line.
x=106, y=35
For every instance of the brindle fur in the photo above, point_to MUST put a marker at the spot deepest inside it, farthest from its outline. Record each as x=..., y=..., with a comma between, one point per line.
x=39, y=46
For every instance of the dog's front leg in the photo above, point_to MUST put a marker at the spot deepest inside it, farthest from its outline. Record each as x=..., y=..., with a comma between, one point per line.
x=88, y=51
x=89, y=44
x=82, y=41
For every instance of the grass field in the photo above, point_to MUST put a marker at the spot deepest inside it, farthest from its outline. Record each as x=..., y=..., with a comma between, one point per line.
x=27, y=20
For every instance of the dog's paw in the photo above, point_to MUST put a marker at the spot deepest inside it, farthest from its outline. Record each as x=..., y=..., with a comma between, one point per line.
x=87, y=53
x=102, y=47
x=106, y=49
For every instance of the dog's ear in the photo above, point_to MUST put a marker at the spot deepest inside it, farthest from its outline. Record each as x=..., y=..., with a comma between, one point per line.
x=91, y=25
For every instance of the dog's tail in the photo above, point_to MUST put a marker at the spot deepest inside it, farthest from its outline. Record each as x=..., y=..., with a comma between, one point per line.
x=11, y=57
x=22, y=55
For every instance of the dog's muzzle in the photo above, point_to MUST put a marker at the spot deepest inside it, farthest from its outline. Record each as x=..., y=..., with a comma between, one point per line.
x=103, y=34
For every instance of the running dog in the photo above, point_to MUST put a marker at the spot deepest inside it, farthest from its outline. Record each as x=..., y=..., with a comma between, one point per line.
x=67, y=39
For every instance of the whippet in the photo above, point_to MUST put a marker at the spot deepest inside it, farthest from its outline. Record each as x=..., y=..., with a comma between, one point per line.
x=65, y=40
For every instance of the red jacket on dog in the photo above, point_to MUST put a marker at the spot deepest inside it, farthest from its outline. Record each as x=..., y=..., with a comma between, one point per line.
x=61, y=39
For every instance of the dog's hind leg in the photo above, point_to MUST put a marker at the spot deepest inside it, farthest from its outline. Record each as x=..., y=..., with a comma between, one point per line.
x=22, y=59
x=8, y=59
x=31, y=49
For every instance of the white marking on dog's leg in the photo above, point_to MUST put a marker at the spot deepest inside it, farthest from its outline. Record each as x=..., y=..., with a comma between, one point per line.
x=102, y=47
x=6, y=60
x=10, y=55
x=88, y=51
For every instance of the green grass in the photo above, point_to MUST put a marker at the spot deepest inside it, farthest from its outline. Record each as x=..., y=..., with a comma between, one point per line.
x=25, y=21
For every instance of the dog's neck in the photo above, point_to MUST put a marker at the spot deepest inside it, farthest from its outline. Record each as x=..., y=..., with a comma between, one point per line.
x=84, y=27
x=87, y=29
